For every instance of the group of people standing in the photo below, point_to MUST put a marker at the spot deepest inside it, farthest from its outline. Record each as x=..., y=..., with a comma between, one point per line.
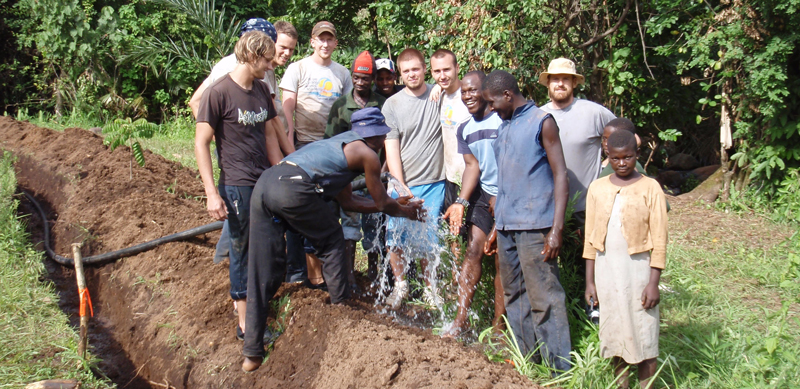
x=471, y=150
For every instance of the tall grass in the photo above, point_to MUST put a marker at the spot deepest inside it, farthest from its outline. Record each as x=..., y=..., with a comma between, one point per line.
x=728, y=320
x=36, y=341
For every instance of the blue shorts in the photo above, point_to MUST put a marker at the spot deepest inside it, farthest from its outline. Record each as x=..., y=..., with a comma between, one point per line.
x=417, y=238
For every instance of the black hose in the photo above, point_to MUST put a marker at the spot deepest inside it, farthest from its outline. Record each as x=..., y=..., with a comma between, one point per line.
x=361, y=183
x=114, y=255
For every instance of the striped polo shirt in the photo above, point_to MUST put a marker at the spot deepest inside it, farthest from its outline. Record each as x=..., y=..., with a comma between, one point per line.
x=477, y=138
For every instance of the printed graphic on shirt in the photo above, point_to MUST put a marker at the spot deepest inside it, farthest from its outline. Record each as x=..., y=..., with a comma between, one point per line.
x=250, y=118
x=447, y=116
x=325, y=89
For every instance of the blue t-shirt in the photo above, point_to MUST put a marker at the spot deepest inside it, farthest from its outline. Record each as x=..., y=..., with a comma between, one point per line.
x=477, y=138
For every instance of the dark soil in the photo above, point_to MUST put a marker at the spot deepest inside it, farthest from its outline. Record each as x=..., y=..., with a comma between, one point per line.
x=164, y=317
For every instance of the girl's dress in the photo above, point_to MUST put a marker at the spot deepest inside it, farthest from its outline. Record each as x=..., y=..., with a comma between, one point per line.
x=627, y=330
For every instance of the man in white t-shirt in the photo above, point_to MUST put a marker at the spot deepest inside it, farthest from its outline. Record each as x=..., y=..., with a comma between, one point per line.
x=311, y=85
x=444, y=69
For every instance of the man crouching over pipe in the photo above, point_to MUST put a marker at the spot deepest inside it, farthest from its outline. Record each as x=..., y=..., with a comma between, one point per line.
x=293, y=195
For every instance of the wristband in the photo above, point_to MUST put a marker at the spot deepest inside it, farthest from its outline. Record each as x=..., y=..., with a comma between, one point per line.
x=463, y=202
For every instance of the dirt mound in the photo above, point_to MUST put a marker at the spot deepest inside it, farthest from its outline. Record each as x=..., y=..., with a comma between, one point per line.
x=164, y=317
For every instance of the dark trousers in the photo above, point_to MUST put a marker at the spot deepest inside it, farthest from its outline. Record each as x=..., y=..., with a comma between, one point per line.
x=285, y=198
x=535, y=301
x=296, y=265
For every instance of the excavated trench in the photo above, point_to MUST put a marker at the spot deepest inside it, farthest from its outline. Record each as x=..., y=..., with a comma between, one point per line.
x=163, y=318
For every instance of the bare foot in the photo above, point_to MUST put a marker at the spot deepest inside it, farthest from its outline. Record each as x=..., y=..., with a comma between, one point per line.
x=251, y=364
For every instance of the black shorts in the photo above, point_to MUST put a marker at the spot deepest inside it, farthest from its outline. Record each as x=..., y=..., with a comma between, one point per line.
x=478, y=213
x=451, y=191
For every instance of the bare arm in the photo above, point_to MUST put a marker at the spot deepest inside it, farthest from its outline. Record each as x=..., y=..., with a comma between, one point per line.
x=555, y=156
x=287, y=147
x=289, y=105
x=202, y=151
x=393, y=161
x=361, y=157
x=590, y=295
x=194, y=102
x=274, y=154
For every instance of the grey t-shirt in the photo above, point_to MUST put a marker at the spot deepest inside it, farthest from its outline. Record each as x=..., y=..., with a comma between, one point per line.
x=415, y=122
x=580, y=127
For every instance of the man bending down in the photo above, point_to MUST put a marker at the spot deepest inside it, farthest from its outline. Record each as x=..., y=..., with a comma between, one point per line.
x=293, y=195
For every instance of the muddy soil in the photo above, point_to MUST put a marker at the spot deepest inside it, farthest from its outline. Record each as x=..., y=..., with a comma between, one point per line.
x=163, y=318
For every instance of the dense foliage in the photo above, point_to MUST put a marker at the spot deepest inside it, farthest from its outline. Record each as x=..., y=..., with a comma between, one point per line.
x=677, y=68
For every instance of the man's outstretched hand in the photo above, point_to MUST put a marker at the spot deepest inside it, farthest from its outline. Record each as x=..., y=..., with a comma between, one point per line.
x=454, y=215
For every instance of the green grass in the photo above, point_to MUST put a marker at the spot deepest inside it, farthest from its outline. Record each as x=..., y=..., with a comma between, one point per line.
x=36, y=341
x=729, y=320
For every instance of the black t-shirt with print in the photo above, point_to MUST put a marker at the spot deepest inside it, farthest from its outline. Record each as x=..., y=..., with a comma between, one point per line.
x=238, y=117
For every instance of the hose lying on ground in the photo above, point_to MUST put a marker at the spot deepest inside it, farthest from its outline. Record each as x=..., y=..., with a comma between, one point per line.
x=114, y=255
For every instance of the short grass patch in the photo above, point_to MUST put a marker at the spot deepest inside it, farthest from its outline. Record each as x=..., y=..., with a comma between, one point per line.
x=36, y=340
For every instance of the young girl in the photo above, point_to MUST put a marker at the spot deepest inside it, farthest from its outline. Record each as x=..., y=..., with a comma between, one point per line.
x=626, y=235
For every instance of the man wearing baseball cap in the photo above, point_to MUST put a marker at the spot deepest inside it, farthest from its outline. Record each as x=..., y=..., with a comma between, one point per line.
x=311, y=86
x=386, y=78
x=293, y=195
x=581, y=124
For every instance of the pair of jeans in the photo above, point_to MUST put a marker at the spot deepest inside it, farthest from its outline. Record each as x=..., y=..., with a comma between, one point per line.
x=535, y=301
x=284, y=197
x=237, y=200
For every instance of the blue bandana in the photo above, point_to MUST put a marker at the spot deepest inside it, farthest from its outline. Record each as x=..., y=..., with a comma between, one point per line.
x=259, y=24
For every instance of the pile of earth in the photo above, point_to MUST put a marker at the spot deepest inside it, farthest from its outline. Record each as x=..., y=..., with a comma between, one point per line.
x=163, y=318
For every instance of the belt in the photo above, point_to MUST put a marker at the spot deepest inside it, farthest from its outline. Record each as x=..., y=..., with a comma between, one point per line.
x=317, y=187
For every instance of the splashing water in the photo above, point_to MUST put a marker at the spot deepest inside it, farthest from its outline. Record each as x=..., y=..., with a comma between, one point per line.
x=432, y=241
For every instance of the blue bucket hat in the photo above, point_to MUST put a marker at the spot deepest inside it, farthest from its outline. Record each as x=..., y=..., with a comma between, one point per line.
x=369, y=122
x=259, y=24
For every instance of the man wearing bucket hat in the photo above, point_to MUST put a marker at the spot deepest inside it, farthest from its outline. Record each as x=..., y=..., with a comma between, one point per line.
x=292, y=195
x=581, y=124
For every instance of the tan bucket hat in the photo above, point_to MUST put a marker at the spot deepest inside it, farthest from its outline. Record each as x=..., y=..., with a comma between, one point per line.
x=560, y=66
